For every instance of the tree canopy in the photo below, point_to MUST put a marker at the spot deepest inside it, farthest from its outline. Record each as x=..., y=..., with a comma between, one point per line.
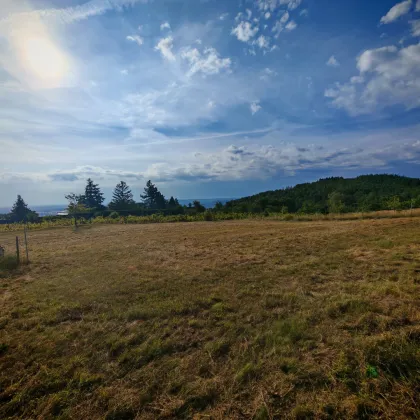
x=336, y=195
x=93, y=197
x=152, y=197
x=122, y=197
x=20, y=211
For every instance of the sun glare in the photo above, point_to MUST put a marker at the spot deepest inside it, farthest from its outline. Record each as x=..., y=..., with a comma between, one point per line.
x=44, y=60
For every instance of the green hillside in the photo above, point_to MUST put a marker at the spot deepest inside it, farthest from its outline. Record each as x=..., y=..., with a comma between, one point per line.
x=336, y=195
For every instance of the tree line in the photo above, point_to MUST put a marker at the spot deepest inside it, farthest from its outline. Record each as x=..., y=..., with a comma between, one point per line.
x=336, y=195
x=330, y=195
x=152, y=201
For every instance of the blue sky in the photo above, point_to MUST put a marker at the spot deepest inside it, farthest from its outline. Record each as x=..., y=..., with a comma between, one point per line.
x=207, y=98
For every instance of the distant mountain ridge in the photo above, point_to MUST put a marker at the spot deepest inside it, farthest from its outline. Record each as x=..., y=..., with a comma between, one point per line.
x=364, y=193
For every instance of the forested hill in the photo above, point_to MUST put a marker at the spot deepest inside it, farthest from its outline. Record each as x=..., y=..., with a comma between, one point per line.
x=335, y=195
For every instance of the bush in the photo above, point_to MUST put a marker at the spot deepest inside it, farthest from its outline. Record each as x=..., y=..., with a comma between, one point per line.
x=8, y=263
x=208, y=216
x=114, y=215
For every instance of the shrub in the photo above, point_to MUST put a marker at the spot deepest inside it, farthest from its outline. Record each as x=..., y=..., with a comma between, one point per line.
x=114, y=215
x=208, y=216
x=8, y=263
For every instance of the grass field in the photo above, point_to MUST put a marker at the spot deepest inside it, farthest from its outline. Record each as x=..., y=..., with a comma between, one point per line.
x=238, y=320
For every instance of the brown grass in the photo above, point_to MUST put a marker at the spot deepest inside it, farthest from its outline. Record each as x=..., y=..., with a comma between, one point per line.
x=242, y=319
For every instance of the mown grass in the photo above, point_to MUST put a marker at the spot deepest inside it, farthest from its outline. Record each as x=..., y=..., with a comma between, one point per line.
x=240, y=319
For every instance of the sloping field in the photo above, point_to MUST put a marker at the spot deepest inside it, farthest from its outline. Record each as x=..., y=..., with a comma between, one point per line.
x=246, y=319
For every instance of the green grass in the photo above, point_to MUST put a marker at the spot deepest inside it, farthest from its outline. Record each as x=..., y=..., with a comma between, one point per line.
x=242, y=319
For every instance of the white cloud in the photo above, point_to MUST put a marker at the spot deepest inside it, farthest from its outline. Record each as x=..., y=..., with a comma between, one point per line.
x=267, y=73
x=272, y=5
x=396, y=12
x=280, y=24
x=124, y=72
x=248, y=14
x=165, y=25
x=284, y=18
x=333, y=62
x=71, y=14
x=88, y=171
x=255, y=107
x=267, y=15
x=207, y=63
x=370, y=59
x=415, y=27
x=418, y=6
x=239, y=17
x=240, y=162
x=223, y=16
x=244, y=31
x=267, y=5
x=304, y=12
x=165, y=46
x=357, y=79
x=388, y=77
x=292, y=25
x=291, y=4
x=263, y=42
x=135, y=38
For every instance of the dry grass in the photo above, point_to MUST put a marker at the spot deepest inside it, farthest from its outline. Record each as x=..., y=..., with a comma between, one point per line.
x=241, y=319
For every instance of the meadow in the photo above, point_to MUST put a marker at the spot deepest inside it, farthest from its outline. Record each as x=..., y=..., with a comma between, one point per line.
x=240, y=319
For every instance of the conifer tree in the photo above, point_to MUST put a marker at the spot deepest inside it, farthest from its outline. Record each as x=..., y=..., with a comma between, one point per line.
x=122, y=198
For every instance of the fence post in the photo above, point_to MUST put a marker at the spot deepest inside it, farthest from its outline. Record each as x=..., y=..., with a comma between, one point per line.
x=17, y=250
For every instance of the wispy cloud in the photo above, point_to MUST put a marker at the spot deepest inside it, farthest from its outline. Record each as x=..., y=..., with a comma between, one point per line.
x=72, y=14
x=333, y=62
x=396, y=12
x=165, y=46
x=208, y=62
x=135, y=38
x=415, y=27
x=164, y=26
x=388, y=76
x=255, y=107
x=244, y=31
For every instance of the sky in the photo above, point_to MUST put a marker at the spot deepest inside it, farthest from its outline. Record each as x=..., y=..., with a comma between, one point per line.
x=207, y=98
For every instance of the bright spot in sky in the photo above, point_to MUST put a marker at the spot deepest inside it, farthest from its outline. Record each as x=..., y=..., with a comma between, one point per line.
x=43, y=59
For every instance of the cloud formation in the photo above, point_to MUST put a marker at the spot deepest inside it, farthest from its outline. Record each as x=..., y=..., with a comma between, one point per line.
x=255, y=107
x=135, y=38
x=415, y=27
x=165, y=46
x=207, y=63
x=388, y=76
x=396, y=12
x=71, y=14
x=244, y=31
x=165, y=25
x=333, y=62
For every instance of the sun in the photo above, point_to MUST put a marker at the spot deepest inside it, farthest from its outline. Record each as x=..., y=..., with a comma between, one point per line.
x=44, y=60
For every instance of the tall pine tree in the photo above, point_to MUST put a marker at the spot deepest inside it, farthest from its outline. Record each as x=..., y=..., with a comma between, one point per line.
x=122, y=198
x=152, y=197
x=93, y=197
x=20, y=211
